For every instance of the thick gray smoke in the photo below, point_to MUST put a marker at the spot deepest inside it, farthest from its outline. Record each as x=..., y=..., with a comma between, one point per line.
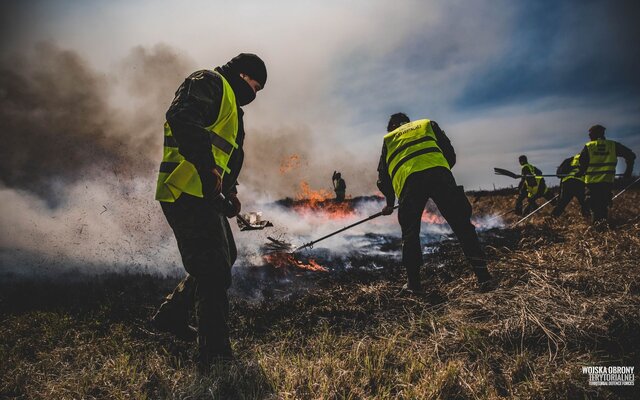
x=59, y=123
x=79, y=164
x=55, y=121
x=79, y=157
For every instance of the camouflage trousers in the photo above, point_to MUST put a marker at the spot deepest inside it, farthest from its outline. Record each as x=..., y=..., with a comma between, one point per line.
x=208, y=251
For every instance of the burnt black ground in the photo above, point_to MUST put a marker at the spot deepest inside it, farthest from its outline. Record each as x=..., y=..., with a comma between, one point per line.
x=357, y=298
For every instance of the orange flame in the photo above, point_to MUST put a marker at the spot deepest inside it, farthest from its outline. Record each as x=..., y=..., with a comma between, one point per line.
x=310, y=195
x=431, y=218
x=289, y=163
x=321, y=201
x=286, y=260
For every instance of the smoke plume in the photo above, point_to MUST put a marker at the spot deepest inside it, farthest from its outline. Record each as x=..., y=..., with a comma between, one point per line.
x=80, y=157
x=80, y=154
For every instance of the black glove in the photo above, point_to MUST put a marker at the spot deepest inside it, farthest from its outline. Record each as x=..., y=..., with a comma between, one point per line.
x=232, y=206
x=211, y=183
x=387, y=210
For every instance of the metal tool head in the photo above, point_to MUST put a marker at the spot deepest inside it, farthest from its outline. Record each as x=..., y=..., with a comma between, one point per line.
x=248, y=225
x=505, y=172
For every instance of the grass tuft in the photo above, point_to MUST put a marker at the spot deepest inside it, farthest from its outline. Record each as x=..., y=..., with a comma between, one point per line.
x=567, y=297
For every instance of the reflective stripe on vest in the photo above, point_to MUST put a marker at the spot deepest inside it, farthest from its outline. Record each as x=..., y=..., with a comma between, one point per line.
x=411, y=148
x=177, y=175
x=602, y=161
x=531, y=181
x=575, y=167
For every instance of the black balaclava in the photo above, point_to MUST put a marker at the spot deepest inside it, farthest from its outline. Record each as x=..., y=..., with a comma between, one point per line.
x=249, y=64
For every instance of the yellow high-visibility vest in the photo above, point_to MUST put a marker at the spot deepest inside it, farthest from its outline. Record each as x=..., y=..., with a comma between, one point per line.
x=575, y=167
x=411, y=148
x=532, y=189
x=178, y=175
x=602, y=161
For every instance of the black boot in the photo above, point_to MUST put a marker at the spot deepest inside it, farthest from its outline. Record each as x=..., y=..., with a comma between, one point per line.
x=169, y=321
x=486, y=281
x=212, y=351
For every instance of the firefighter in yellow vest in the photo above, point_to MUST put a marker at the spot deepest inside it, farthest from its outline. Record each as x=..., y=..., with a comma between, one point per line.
x=532, y=187
x=415, y=166
x=571, y=186
x=598, y=160
x=202, y=157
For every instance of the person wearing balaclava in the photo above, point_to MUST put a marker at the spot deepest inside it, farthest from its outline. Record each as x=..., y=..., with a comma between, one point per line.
x=202, y=158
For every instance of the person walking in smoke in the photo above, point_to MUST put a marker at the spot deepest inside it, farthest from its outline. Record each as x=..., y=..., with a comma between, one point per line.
x=598, y=161
x=532, y=186
x=415, y=165
x=571, y=186
x=203, y=155
x=339, y=186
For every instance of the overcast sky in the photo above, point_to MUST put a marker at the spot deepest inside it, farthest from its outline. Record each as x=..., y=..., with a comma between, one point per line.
x=84, y=86
x=501, y=77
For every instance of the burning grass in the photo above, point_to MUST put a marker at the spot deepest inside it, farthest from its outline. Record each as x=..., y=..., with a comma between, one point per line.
x=568, y=297
x=281, y=259
x=321, y=202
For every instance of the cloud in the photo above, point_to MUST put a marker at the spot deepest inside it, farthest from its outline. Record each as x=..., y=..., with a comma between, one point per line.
x=81, y=113
x=574, y=48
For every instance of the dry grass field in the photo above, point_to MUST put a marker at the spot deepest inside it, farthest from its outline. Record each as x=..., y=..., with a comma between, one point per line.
x=567, y=297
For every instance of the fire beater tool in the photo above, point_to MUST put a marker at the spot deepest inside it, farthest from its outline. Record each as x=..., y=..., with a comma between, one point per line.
x=278, y=245
x=242, y=222
x=245, y=223
x=369, y=218
x=505, y=172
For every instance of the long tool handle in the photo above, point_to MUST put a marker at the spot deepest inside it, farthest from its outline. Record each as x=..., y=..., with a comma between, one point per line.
x=544, y=175
x=310, y=244
x=504, y=172
x=226, y=202
x=536, y=210
x=625, y=189
x=499, y=215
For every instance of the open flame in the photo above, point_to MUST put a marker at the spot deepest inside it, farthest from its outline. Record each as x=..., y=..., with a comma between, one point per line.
x=321, y=202
x=289, y=163
x=280, y=259
x=432, y=218
x=312, y=196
